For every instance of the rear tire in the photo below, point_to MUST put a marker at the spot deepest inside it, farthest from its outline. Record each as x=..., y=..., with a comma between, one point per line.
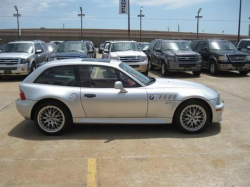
x=196, y=73
x=213, y=68
x=244, y=72
x=192, y=116
x=52, y=118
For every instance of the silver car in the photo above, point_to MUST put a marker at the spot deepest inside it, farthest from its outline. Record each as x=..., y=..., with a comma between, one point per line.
x=104, y=91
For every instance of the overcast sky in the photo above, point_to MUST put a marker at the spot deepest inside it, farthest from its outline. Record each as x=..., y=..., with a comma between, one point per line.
x=218, y=15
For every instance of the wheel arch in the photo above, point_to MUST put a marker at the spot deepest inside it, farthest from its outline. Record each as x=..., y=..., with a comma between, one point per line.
x=213, y=58
x=48, y=100
x=194, y=99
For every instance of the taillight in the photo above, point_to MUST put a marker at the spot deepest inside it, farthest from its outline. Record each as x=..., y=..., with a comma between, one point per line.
x=22, y=95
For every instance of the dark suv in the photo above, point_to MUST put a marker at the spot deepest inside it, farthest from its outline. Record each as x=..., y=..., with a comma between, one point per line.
x=222, y=55
x=173, y=56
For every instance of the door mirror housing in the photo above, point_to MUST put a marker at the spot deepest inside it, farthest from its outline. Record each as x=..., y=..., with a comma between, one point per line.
x=91, y=50
x=39, y=51
x=106, y=51
x=119, y=86
x=158, y=50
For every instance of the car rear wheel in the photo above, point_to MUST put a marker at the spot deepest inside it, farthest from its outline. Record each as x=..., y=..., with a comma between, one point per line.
x=196, y=73
x=243, y=72
x=213, y=68
x=192, y=116
x=164, y=70
x=52, y=118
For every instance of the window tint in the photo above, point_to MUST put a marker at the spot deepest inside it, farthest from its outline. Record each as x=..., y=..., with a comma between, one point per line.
x=157, y=45
x=103, y=77
x=62, y=76
x=151, y=45
x=38, y=47
x=45, y=47
x=199, y=46
x=244, y=44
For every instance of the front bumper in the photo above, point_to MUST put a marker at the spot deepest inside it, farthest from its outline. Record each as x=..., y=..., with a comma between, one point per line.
x=19, y=69
x=217, y=110
x=24, y=107
x=180, y=67
x=228, y=67
x=139, y=66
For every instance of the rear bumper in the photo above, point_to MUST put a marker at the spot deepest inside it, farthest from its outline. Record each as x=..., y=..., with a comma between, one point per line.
x=20, y=69
x=186, y=66
x=24, y=107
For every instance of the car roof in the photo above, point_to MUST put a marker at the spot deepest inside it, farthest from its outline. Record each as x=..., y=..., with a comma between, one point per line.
x=175, y=40
x=247, y=39
x=27, y=42
x=123, y=41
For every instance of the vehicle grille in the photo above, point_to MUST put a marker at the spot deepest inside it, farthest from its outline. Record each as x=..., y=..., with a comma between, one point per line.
x=237, y=58
x=187, y=58
x=8, y=68
x=129, y=59
x=238, y=64
x=187, y=65
x=9, y=61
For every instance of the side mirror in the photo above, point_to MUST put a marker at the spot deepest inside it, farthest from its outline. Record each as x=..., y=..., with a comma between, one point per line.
x=39, y=51
x=239, y=48
x=248, y=48
x=205, y=49
x=106, y=51
x=119, y=86
x=91, y=50
x=158, y=50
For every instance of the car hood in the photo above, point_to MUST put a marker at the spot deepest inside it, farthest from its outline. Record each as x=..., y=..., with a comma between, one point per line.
x=181, y=52
x=232, y=52
x=71, y=55
x=173, y=83
x=127, y=53
x=15, y=55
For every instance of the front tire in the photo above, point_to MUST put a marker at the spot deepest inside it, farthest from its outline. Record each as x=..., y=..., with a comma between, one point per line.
x=164, y=70
x=192, y=116
x=52, y=118
x=213, y=68
x=244, y=72
x=150, y=65
x=33, y=67
x=196, y=73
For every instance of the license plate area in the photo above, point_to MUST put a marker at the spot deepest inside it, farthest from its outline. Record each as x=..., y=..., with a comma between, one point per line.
x=187, y=69
x=7, y=72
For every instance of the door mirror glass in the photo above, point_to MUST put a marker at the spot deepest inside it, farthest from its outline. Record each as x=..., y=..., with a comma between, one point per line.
x=38, y=51
x=119, y=86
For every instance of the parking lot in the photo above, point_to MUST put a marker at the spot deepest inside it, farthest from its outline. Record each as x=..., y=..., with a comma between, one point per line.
x=130, y=155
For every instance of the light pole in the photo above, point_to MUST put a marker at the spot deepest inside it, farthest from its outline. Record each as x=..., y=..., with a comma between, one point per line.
x=239, y=23
x=81, y=15
x=198, y=17
x=128, y=20
x=140, y=20
x=17, y=15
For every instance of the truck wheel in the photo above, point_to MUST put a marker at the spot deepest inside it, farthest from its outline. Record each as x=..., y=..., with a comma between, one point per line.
x=150, y=65
x=213, y=68
x=244, y=72
x=196, y=73
x=192, y=116
x=164, y=70
x=33, y=67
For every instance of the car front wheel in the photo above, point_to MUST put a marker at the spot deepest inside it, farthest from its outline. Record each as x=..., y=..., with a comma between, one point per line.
x=52, y=118
x=213, y=68
x=196, y=73
x=244, y=72
x=163, y=69
x=192, y=116
x=150, y=65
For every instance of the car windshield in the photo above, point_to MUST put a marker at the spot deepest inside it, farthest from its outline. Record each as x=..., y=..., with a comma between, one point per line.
x=222, y=45
x=144, y=46
x=19, y=47
x=71, y=47
x=142, y=78
x=125, y=46
x=175, y=46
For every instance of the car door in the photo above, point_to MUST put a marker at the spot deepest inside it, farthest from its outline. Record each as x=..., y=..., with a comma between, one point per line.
x=205, y=55
x=198, y=49
x=101, y=100
x=41, y=56
x=158, y=53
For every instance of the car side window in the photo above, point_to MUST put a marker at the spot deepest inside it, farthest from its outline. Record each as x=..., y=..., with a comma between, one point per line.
x=205, y=46
x=45, y=47
x=38, y=46
x=199, y=46
x=127, y=81
x=243, y=44
x=98, y=76
x=157, y=45
x=151, y=45
x=61, y=76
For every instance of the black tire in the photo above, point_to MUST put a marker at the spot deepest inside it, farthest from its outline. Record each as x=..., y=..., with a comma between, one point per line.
x=196, y=73
x=213, y=69
x=64, y=116
x=150, y=65
x=164, y=70
x=145, y=73
x=33, y=67
x=180, y=114
x=244, y=72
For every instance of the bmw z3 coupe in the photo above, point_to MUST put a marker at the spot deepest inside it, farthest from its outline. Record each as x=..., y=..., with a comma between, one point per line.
x=94, y=91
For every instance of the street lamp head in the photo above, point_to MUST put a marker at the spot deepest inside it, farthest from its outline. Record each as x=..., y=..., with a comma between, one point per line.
x=16, y=8
x=199, y=11
x=80, y=8
x=141, y=8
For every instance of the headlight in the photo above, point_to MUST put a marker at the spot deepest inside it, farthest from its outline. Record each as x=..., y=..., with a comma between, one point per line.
x=25, y=61
x=223, y=58
x=171, y=58
x=247, y=58
x=143, y=58
x=199, y=58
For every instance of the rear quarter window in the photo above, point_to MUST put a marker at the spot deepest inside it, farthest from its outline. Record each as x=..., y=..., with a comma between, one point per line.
x=61, y=76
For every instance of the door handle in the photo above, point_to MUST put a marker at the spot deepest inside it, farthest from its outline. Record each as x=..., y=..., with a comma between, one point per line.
x=90, y=95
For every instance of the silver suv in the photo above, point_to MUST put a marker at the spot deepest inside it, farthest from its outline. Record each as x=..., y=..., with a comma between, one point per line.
x=22, y=57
